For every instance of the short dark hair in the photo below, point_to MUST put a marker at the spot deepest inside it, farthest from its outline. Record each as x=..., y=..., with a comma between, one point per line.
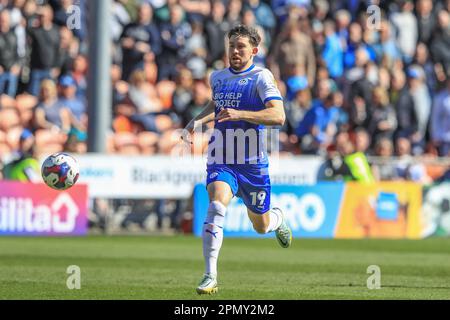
x=246, y=31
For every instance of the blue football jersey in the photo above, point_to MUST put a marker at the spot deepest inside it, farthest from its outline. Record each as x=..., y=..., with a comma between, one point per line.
x=240, y=142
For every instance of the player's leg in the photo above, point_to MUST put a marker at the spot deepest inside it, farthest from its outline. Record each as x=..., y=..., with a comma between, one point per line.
x=272, y=220
x=220, y=194
x=221, y=188
x=254, y=189
x=265, y=222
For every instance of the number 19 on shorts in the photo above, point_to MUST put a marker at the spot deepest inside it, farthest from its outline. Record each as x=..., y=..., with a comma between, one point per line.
x=258, y=198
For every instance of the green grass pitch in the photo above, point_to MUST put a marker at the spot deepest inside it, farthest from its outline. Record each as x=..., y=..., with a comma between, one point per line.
x=150, y=267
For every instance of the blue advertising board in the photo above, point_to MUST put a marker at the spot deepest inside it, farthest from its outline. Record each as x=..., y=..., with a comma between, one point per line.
x=311, y=210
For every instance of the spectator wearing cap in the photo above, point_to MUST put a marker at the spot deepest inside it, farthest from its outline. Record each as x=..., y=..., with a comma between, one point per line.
x=68, y=99
x=139, y=40
x=298, y=102
x=48, y=113
x=422, y=101
x=440, y=120
x=9, y=68
x=76, y=142
x=316, y=130
x=45, y=42
x=161, y=9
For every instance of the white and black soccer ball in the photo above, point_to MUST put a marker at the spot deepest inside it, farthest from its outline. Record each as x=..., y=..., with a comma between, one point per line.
x=60, y=171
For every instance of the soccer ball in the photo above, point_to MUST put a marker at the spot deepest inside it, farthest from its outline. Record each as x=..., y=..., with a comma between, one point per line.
x=60, y=171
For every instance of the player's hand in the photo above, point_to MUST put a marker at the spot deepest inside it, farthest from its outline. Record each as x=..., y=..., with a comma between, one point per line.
x=228, y=115
x=186, y=136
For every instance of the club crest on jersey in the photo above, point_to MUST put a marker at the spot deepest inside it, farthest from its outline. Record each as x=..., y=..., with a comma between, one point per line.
x=216, y=85
x=243, y=82
x=213, y=175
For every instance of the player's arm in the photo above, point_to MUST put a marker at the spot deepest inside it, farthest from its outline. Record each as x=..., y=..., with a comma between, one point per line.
x=207, y=115
x=272, y=115
x=202, y=118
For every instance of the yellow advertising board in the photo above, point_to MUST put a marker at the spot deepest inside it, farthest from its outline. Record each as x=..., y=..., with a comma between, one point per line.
x=380, y=210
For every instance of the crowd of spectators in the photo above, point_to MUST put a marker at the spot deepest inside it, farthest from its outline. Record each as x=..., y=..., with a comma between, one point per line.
x=380, y=81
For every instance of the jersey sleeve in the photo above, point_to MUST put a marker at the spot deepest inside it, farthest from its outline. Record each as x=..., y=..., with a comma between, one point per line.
x=211, y=83
x=267, y=88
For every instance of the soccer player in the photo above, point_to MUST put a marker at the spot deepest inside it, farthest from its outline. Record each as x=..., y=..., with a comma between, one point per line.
x=244, y=99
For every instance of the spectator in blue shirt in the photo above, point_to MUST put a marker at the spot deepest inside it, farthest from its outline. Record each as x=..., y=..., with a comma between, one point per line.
x=333, y=51
x=338, y=116
x=68, y=99
x=389, y=50
x=316, y=130
x=298, y=102
x=355, y=42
